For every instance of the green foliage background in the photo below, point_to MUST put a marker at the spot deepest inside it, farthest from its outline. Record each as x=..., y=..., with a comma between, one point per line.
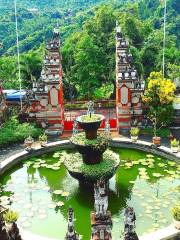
x=88, y=41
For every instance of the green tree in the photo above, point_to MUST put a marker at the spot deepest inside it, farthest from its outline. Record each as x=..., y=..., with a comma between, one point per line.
x=87, y=66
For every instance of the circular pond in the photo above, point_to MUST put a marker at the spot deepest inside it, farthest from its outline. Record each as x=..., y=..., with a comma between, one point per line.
x=41, y=190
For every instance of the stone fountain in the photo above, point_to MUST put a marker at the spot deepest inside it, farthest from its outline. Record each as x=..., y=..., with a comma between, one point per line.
x=93, y=160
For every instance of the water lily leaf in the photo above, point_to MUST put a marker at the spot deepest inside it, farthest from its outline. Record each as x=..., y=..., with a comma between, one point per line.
x=157, y=175
x=156, y=225
x=149, y=156
x=36, y=166
x=142, y=169
x=58, y=192
x=30, y=214
x=26, y=224
x=132, y=181
x=128, y=164
x=65, y=194
x=148, y=211
x=151, y=166
x=144, y=163
x=60, y=204
x=161, y=164
x=171, y=163
x=42, y=216
x=55, y=168
x=46, y=188
x=56, y=155
x=28, y=206
x=42, y=211
x=51, y=206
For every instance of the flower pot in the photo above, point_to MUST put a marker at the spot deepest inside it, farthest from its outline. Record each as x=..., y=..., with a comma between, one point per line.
x=8, y=226
x=134, y=138
x=176, y=224
x=174, y=149
x=28, y=145
x=156, y=141
x=90, y=128
x=43, y=143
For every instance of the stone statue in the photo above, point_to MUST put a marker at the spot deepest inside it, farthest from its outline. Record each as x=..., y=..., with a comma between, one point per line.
x=3, y=233
x=129, y=224
x=101, y=223
x=101, y=198
x=90, y=106
x=107, y=128
x=71, y=234
x=14, y=232
x=75, y=127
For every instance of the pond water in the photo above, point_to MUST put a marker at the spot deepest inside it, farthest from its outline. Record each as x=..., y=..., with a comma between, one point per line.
x=41, y=190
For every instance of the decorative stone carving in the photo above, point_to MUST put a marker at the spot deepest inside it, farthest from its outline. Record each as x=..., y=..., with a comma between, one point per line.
x=71, y=234
x=127, y=83
x=129, y=224
x=101, y=223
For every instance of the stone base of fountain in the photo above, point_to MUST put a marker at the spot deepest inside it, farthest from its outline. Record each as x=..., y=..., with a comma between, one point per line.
x=89, y=174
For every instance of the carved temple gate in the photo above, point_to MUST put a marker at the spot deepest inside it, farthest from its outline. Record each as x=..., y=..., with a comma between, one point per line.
x=47, y=105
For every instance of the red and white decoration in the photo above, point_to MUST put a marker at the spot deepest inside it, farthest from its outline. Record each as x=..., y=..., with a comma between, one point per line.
x=128, y=87
x=47, y=106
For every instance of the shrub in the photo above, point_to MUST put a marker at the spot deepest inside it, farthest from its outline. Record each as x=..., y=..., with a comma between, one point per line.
x=99, y=143
x=92, y=118
x=134, y=131
x=174, y=143
x=176, y=212
x=10, y=216
x=43, y=138
x=158, y=97
x=12, y=131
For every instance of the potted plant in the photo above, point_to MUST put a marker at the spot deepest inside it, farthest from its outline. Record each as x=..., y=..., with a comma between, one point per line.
x=28, y=143
x=90, y=123
x=134, y=133
x=158, y=98
x=10, y=217
x=156, y=140
x=43, y=140
x=174, y=145
x=176, y=216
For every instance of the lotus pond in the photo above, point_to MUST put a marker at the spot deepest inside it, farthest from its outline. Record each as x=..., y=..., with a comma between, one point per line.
x=41, y=190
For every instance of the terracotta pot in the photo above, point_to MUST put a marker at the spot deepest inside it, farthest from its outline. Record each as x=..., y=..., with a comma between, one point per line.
x=176, y=224
x=8, y=226
x=156, y=141
x=174, y=149
x=134, y=138
x=43, y=143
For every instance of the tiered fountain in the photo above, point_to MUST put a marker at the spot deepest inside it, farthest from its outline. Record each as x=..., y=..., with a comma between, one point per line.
x=93, y=161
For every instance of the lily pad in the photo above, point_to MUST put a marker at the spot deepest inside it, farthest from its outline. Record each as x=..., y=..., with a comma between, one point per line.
x=157, y=175
x=58, y=192
x=65, y=194
x=60, y=204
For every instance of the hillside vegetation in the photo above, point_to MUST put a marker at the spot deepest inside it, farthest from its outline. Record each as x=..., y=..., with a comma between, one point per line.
x=88, y=41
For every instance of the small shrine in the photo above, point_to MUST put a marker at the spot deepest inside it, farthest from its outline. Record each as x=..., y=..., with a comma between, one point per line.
x=47, y=104
x=71, y=234
x=128, y=87
x=101, y=223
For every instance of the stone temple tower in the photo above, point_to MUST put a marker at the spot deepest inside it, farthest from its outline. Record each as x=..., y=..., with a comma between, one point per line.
x=47, y=104
x=128, y=87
